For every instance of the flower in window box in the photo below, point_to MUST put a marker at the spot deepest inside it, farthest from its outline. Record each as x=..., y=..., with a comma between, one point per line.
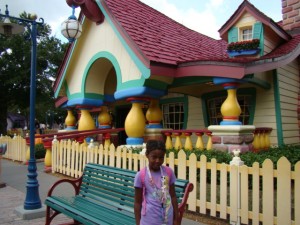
x=249, y=47
x=243, y=45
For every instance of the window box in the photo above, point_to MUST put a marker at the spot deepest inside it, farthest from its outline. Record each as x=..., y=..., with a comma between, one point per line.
x=243, y=52
x=250, y=47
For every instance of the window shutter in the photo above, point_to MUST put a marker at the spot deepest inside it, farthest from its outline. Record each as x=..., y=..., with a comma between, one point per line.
x=258, y=34
x=257, y=30
x=233, y=35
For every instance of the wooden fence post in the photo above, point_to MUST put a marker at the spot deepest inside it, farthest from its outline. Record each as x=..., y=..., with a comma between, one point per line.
x=235, y=207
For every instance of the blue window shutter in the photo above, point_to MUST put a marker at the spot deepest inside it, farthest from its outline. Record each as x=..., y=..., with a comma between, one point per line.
x=233, y=35
x=257, y=30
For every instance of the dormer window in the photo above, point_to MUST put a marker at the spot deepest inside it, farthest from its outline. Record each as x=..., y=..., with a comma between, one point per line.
x=246, y=33
x=245, y=40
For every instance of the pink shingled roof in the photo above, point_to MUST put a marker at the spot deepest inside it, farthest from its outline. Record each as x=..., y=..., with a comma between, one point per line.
x=284, y=49
x=162, y=39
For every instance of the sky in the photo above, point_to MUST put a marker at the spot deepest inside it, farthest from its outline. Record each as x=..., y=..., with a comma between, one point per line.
x=204, y=16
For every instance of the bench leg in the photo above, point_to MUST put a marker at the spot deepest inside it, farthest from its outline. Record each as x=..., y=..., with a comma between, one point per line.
x=49, y=216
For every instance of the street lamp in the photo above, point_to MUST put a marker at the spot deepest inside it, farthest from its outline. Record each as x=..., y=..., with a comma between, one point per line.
x=32, y=200
x=71, y=28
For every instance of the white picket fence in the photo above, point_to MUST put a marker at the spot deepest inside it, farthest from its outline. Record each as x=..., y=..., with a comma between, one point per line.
x=256, y=195
x=271, y=198
x=16, y=147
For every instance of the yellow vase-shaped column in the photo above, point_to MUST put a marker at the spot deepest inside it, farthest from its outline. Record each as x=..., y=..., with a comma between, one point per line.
x=154, y=115
x=70, y=121
x=178, y=144
x=209, y=144
x=48, y=156
x=199, y=143
x=262, y=140
x=188, y=142
x=267, y=138
x=231, y=109
x=169, y=144
x=135, y=123
x=107, y=142
x=86, y=121
x=104, y=118
x=256, y=142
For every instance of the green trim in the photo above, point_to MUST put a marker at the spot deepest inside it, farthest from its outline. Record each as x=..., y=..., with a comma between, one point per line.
x=156, y=84
x=131, y=84
x=277, y=109
x=258, y=33
x=252, y=92
x=207, y=96
x=249, y=76
x=185, y=101
x=205, y=111
x=67, y=88
x=223, y=93
x=261, y=83
x=233, y=35
x=186, y=111
x=67, y=65
x=86, y=95
x=94, y=96
x=144, y=70
x=186, y=81
x=99, y=55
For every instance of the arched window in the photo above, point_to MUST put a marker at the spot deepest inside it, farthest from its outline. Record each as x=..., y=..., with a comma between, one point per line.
x=174, y=113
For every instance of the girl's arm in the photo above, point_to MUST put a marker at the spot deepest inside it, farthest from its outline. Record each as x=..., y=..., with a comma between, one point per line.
x=138, y=198
x=174, y=203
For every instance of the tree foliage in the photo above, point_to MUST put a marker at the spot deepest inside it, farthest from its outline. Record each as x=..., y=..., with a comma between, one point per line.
x=15, y=67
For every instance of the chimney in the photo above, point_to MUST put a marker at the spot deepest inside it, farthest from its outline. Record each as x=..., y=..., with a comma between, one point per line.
x=291, y=16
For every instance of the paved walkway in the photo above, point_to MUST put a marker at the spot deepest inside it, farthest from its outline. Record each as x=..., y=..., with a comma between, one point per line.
x=14, y=175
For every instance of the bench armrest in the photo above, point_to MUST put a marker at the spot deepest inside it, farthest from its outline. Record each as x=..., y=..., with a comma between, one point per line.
x=75, y=183
x=181, y=207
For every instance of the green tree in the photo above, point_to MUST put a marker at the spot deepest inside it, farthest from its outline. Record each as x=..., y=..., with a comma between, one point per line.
x=15, y=62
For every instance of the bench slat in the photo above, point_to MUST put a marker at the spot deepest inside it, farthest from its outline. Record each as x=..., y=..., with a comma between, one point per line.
x=110, y=186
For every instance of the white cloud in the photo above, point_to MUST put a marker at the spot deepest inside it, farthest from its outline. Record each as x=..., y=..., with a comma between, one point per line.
x=216, y=2
x=202, y=21
x=203, y=16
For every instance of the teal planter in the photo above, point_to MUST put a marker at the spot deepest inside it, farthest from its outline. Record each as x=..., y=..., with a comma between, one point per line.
x=243, y=52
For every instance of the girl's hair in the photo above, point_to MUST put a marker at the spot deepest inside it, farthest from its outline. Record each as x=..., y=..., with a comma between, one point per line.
x=155, y=145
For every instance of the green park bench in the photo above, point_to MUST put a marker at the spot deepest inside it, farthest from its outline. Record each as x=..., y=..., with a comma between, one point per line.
x=104, y=195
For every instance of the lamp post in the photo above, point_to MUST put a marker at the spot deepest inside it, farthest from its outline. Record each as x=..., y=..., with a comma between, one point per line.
x=32, y=200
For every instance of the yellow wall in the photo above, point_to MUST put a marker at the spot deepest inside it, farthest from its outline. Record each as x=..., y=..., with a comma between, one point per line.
x=95, y=39
x=288, y=79
x=265, y=115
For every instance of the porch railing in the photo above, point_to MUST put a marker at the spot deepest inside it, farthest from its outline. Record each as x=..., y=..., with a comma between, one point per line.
x=202, y=139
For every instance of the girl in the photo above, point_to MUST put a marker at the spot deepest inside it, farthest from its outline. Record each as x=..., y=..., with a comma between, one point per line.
x=155, y=198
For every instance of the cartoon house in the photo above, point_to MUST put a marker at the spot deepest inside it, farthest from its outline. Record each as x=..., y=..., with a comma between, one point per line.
x=134, y=61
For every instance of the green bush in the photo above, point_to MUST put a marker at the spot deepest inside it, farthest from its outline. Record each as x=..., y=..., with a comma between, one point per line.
x=40, y=151
x=291, y=152
x=221, y=157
